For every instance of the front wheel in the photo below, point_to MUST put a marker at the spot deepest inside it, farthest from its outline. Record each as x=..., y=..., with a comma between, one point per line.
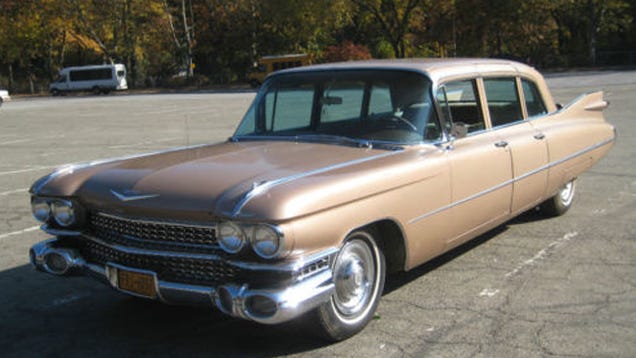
x=561, y=202
x=359, y=273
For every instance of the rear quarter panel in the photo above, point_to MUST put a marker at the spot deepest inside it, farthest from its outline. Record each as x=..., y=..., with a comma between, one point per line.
x=578, y=136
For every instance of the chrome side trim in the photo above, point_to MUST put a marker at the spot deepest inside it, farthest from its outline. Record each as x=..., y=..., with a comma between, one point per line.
x=513, y=180
x=260, y=188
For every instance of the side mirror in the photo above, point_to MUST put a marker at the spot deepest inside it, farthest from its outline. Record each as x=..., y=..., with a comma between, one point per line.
x=459, y=130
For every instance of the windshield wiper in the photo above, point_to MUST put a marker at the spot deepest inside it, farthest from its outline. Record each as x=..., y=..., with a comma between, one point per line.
x=332, y=138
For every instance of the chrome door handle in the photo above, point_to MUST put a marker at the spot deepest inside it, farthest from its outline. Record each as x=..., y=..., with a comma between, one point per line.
x=501, y=144
x=539, y=136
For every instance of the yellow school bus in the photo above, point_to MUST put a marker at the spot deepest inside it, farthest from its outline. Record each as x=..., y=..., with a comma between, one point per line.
x=269, y=64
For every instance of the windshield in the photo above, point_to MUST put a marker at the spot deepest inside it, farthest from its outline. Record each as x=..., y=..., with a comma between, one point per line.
x=369, y=105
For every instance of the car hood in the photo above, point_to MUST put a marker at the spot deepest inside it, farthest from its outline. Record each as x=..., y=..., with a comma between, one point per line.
x=249, y=180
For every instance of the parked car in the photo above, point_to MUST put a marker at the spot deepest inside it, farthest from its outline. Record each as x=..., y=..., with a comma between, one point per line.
x=4, y=96
x=97, y=78
x=337, y=175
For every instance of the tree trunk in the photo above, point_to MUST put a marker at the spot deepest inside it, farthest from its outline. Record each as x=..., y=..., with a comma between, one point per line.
x=592, y=32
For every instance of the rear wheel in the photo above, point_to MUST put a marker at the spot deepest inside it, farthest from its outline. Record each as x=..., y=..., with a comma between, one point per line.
x=561, y=202
x=359, y=273
x=96, y=90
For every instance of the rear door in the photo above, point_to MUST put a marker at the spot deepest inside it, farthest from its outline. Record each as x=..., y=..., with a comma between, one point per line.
x=527, y=145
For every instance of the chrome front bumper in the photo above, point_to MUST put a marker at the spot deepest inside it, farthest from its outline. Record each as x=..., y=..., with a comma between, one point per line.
x=268, y=306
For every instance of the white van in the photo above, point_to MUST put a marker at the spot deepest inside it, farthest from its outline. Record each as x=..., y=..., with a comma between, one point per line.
x=99, y=79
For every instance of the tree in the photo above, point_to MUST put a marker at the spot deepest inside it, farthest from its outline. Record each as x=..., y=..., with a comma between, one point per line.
x=582, y=23
x=395, y=19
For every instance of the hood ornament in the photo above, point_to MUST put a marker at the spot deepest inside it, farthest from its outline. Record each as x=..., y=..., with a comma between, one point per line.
x=130, y=195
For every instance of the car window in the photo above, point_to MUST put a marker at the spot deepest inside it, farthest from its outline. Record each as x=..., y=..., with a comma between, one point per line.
x=534, y=102
x=349, y=101
x=288, y=108
x=380, y=99
x=460, y=104
x=384, y=106
x=503, y=100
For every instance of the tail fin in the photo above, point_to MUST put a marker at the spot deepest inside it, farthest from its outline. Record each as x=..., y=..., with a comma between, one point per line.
x=582, y=105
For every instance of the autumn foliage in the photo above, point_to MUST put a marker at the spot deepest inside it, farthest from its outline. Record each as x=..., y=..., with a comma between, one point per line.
x=347, y=51
x=200, y=42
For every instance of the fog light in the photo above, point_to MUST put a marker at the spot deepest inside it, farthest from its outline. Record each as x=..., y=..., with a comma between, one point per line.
x=56, y=263
x=261, y=306
x=225, y=301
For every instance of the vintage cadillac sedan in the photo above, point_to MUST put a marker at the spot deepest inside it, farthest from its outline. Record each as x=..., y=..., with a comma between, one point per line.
x=337, y=175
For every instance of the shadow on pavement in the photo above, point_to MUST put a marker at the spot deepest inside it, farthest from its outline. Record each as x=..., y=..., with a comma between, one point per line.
x=47, y=316
x=44, y=315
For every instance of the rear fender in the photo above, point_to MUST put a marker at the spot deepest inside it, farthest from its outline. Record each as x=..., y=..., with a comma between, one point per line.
x=586, y=105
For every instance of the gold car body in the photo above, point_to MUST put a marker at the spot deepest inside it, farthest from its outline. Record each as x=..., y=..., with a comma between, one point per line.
x=422, y=198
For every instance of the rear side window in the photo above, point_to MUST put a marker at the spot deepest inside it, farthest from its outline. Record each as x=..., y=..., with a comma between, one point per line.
x=534, y=102
x=459, y=101
x=503, y=100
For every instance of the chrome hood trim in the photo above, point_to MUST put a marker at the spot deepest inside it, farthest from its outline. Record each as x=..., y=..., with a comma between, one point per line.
x=261, y=188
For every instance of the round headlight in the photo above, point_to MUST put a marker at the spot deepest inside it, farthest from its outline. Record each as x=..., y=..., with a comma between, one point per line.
x=40, y=209
x=231, y=237
x=63, y=212
x=266, y=241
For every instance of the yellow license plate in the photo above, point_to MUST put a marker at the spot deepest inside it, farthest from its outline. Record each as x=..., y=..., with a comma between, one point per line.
x=135, y=282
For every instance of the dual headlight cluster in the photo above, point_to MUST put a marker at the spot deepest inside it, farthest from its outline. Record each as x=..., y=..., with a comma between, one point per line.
x=64, y=212
x=267, y=241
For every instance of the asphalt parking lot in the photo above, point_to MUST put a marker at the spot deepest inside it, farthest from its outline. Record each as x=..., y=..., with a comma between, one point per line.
x=562, y=287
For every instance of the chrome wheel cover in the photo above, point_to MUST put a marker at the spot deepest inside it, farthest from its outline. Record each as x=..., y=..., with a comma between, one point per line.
x=355, y=276
x=566, y=194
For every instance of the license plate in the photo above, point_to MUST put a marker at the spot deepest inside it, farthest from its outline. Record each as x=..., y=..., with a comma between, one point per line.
x=142, y=284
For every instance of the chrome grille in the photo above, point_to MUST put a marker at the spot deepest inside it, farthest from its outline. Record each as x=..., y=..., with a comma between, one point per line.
x=168, y=268
x=148, y=234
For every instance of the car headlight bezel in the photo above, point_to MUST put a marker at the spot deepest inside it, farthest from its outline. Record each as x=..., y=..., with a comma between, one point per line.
x=41, y=209
x=231, y=237
x=63, y=212
x=267, y=241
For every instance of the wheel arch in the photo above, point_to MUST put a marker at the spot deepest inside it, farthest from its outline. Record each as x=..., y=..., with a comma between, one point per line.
x=392, y=243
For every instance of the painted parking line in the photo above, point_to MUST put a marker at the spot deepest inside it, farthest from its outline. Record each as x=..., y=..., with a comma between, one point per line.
x=28, y=170
x=543, y=253
x=19, y=232
x=5, y=193
x=16, y=141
